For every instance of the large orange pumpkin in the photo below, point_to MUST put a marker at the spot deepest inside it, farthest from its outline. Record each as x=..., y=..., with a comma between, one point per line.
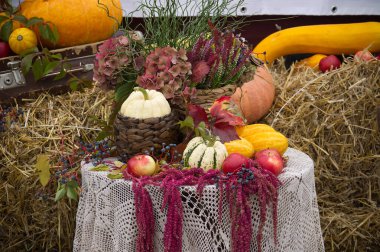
x=78, y=21
x=256, y=97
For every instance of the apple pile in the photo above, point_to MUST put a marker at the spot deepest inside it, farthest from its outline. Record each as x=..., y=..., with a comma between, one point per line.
x=268, y=159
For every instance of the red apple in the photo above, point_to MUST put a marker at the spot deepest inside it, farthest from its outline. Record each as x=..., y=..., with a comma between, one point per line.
x=234, y=162
x=141, y=165
x=329, y=62
x=271, y=160
x=364, y=56
x=5, y=50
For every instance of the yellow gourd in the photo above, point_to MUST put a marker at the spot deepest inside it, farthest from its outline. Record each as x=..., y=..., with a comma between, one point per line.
x=22, y=40
x=324, y=39
x=268, y=140
x=249, y=130
x=312, y=61
x=241, y=146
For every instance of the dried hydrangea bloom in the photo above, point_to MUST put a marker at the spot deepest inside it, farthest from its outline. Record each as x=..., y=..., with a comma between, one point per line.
x=113, y=56
x=166, y=70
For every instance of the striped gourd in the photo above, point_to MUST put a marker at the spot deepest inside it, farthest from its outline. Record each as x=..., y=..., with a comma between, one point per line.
x=249, y=130
x=268, y=140
x=204, y=154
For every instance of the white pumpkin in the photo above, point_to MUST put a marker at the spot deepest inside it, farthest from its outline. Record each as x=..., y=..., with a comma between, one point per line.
x=142, y=104
x=203, y=154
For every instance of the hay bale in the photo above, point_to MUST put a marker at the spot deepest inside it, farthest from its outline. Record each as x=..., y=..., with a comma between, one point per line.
x=331, y=117
x=30, y=218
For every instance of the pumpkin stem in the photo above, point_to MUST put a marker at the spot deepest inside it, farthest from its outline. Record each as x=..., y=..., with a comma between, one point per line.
x=142, y=90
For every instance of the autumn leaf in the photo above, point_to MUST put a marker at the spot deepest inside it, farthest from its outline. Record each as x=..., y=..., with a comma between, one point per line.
x=198, y=114
x=225, y=132
x=220, y=110
x=42, y=167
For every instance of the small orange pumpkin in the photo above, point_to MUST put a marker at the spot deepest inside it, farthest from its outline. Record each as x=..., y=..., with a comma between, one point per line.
x=22, y=39
x=255, y=98
x=78, y=21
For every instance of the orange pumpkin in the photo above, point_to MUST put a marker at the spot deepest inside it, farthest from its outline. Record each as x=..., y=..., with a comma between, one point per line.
x=78, y=21
x=256, y=97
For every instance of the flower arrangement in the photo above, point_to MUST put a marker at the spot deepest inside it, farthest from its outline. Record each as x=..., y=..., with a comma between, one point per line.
x=210, y=60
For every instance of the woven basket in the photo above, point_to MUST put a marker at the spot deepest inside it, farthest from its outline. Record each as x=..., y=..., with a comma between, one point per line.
x=135, y=136
x=206, y=97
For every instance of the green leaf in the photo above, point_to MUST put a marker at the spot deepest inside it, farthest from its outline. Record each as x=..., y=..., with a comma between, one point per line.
x=22, y=19
x=49, y=67
x=61, y=75
x=26, y=63
x=123, y=92
x=55, y=34
x=33, y=21
x=73, y=183
x=6, y=30
x=72, y=193
x=100, y=167
x=3, y=18
x=29, y=51
x=43, y=31
x=187, y=123
x=74, y=85
x=115, y=175
x=102, y=135
x=37, y=69
x=57, y=56
x=42, y=167
x=52, y=35
x=60, y=193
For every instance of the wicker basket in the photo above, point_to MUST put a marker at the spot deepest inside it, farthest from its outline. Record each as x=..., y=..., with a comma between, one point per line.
x=206, y=97
x=135, y=136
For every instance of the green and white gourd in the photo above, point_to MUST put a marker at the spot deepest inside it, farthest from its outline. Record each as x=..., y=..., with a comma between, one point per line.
x=204, y=154
x=143, y=104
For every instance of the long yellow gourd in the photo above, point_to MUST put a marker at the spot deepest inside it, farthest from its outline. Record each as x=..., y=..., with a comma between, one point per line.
x=324, y=39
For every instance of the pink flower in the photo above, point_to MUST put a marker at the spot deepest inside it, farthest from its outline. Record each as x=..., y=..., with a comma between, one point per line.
x=123, y=40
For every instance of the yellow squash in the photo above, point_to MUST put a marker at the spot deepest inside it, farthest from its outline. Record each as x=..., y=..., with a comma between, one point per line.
x=312, y=61
x=268, y=140
x=241, y=146
x=249, y=130
x=323, y=39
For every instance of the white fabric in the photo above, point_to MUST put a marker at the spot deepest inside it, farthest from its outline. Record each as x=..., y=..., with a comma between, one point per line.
x=106, y=214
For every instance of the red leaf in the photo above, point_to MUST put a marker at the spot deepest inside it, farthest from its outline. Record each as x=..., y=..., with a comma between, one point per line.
x=219, y=110
x=198, y=114
x=225, y=132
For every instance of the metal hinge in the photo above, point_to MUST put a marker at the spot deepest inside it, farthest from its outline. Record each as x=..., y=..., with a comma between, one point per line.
x=13, y=77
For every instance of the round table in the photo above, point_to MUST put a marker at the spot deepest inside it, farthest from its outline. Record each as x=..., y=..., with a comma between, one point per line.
x=106, y=214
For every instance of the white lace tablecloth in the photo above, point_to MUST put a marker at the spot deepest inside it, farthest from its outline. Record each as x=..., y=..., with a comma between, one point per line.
x=106, y=214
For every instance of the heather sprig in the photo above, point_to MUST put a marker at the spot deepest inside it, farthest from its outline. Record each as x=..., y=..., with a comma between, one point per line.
x=224, y=57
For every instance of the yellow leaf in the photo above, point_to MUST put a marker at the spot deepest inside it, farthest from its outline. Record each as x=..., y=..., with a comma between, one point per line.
x=42, y=167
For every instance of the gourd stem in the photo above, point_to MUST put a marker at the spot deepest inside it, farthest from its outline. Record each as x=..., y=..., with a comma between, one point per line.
x=142, y=90
x=211, y=141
